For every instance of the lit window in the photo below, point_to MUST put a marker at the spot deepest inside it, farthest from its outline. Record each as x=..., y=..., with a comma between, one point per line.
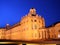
x=35, y=35
x=58, y=35
x=34, y=27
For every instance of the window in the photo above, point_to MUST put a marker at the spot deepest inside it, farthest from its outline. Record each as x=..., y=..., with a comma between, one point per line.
x=39, y=21
x=59, y=30
x=58, y=35
x=24, y=29
x=39, y=28
x=27, y=20
x=39, y=34
x=23, y=44
x=35, y=35
x=34, y=27
x=35, y=20
x=33, y=15
x=32, y=20
x=24, y=21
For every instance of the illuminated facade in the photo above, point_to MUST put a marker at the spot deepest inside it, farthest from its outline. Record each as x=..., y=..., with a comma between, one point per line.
x=2, y=33
x=31, y=27
x=54, y=32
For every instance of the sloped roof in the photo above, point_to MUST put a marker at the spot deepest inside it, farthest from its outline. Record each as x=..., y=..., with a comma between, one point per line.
x=18, y=24
x=53, y=24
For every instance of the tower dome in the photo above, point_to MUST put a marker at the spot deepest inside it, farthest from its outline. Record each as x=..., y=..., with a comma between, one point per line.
x=33, y=20
x=32, y=11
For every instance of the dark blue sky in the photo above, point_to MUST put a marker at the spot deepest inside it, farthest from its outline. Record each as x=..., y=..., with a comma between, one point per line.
x=11, y=11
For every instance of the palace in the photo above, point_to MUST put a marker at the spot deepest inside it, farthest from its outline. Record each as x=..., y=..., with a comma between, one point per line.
x=31, y=27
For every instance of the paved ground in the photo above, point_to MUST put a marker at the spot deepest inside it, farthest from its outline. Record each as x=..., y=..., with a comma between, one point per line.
x=33, y=41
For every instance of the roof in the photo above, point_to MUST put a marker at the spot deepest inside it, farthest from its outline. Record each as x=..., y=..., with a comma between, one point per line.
x=53, y=24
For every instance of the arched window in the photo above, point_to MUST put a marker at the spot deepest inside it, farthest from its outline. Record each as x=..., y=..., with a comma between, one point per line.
x=39, y=21
x=32, y=20
x=35, y=20
x=34, y=26
x=33, y=15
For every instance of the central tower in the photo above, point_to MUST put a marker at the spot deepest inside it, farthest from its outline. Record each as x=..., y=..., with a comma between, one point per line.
x=32, y=11
x=31, y=24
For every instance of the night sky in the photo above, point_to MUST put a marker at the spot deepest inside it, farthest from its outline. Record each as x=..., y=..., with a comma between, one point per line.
x=11, y=11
